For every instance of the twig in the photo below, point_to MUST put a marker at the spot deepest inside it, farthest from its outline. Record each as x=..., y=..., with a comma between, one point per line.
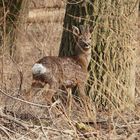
x=137, y=123
x=70, y=132
x=42, y=129
x=13, y=119
x=30, y=103
x=70, y=122
x=11, y=131
x=6, y=133
x=28, y=132
x=20, y=74
x=88, y=133
x=55, y=103
x=76, y=2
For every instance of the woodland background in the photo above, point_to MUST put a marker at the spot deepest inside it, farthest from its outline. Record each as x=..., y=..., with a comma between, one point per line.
x=36, y=31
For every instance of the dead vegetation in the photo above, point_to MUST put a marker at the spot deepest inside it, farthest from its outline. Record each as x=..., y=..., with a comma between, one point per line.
x=24, y=113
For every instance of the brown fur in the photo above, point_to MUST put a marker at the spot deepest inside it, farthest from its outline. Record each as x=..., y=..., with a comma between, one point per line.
x=68, y=71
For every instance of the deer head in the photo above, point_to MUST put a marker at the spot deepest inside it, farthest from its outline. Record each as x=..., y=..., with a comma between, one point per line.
x=82, y=36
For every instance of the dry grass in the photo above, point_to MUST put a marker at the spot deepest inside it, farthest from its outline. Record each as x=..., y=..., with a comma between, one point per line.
x=26, y=116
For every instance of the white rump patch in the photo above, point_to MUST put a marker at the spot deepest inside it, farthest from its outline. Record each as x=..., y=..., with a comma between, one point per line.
x=38, y=69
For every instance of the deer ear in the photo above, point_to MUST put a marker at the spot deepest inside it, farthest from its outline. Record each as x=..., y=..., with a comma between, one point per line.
x=75, y=30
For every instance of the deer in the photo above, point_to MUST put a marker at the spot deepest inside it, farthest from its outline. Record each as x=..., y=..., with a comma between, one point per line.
x=66, y=71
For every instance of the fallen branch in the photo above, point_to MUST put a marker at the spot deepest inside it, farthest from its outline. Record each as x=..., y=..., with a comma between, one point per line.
x=8, y=117
x=24, y=101
x=5, y=132
x=133, y=123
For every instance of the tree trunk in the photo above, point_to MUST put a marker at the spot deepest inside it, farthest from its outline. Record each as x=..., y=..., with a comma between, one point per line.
x=10, y=11
x=112, y=68
x=76, y=13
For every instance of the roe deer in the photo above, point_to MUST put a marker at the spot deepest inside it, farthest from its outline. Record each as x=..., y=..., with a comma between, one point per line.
x=67, y=71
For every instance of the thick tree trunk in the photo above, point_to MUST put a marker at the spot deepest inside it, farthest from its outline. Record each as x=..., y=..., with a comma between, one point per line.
x=10, y=16
x=113, y=75
x=77, y=13
x=112, y=68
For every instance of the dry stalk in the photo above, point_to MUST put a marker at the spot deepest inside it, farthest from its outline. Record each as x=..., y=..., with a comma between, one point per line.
x=10, y=118
x=24, y=101
x=42, y=129
x=5, y=132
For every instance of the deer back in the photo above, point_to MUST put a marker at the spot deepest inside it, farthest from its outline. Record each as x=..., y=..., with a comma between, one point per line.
x=70, y=70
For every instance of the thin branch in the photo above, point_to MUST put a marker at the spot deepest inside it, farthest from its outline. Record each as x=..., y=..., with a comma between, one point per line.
x=42, y=129
x=8, y=117
x=6, y=133
x=11, y=131
x=24, y=101
x=20, y=74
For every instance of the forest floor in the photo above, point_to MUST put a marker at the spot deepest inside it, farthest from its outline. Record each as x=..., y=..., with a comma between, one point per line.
x=25, y=116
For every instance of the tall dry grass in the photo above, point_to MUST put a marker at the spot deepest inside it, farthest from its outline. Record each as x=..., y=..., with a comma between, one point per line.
x=24, y=114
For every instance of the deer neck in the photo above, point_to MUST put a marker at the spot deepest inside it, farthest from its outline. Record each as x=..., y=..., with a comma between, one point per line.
x=83, y=60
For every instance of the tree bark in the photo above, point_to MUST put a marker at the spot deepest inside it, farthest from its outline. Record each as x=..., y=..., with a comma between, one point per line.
x=10, y=17
x=77, y=13
x=112, y=68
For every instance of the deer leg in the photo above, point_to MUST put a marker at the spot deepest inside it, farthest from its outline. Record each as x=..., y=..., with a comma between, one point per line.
x=50, y=90
x=69, y=101
x=85, y=100
x=68, y=91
